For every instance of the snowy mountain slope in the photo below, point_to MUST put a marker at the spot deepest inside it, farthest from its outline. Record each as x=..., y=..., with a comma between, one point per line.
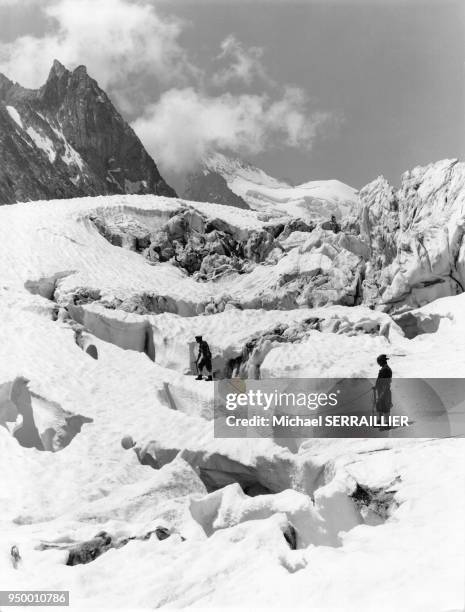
x=389, y=508
x=312, y=200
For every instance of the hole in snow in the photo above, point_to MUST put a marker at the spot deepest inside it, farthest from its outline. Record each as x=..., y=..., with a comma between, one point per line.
x=92, y=351
x=215, y=479
x=85, y=342
x=217, y=471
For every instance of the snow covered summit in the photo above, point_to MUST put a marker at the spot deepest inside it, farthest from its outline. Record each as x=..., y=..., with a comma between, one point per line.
x=311, y=200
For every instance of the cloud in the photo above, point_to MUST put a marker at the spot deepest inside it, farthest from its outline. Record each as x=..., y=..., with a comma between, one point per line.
x=185, y=125
x=244, y=64
x=14, y=3
x=116, y=39
x=128, y=45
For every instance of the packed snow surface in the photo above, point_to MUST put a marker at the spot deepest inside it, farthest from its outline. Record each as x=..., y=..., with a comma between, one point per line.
x=377, y=524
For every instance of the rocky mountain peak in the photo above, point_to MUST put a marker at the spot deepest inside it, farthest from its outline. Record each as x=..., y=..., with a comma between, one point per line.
x=5, y=84
x=54, y=89
x=57, y=69
x=62, y=83
x=66, y=139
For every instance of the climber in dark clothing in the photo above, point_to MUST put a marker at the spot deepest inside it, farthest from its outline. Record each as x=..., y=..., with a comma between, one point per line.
x=15, y=556
x=204, y=359
x=382, y=388
x=334, y=225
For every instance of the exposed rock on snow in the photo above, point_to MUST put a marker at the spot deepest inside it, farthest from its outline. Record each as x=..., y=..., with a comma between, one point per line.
x=377, y=505
x=88, y=551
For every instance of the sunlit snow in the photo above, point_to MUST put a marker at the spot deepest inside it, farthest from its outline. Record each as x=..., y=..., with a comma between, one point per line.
x=225, y=546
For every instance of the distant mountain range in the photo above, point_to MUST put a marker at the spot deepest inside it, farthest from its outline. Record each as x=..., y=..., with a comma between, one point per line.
x=231, y=181
x=66, y=139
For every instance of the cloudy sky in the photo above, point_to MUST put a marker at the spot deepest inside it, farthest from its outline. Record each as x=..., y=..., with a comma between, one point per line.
x=305, y=89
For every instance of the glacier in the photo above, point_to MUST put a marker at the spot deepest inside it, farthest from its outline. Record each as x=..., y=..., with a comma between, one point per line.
x=98, y=323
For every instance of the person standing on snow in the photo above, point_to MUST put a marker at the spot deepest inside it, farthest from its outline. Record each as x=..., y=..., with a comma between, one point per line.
x=204, y=359
x=334, y=225
x=382, y=388
x=15, y=556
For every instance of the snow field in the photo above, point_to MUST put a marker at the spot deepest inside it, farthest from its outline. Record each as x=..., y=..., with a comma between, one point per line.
x=402, y=550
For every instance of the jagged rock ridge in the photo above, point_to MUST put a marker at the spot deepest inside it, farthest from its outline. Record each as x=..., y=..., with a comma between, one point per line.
x=66, y=139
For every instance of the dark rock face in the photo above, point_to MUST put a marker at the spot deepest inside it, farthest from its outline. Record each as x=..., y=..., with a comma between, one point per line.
x=67, y=140
x=88, y=551
x=207, y=186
